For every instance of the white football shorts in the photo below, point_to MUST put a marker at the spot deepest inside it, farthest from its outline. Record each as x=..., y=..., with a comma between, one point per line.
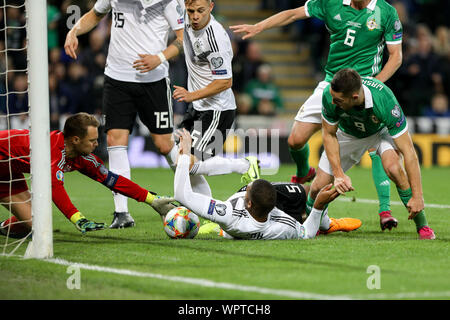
x=352, y=149
x=311, y=110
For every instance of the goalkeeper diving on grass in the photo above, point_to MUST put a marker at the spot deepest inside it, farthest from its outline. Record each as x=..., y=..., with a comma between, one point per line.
x=70, y=150
x=258, y=211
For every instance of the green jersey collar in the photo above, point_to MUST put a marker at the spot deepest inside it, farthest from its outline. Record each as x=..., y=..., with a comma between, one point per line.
x=370, y=6
x=368, y=101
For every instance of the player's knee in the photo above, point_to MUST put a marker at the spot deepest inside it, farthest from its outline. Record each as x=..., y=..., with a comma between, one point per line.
x=117, y=138
x=163, y=147
x=295, y=141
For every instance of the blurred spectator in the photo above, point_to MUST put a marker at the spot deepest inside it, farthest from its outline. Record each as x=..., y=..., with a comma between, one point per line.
x=439, y=107
x=94, y=56
x=243, y=103
x=244, y=67
x=61, y=102
x=18, y=102
x=53, y=16
x=423, y=71
x=265, y=95
x=441, y=41
x=78, y=86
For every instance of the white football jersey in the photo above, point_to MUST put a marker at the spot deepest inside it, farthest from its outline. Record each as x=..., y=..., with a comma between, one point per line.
x=208, y=55
x=239, y=224
x=139, y=27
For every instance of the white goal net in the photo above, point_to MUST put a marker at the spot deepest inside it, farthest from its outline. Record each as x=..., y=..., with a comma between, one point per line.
x=24, y=105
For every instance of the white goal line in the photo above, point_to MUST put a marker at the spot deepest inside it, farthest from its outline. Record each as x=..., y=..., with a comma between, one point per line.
x=261, y=290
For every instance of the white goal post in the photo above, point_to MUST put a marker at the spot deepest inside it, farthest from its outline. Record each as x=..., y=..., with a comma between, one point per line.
x=41, y=245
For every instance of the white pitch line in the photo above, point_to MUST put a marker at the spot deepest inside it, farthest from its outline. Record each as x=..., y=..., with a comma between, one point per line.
x=202, y=282
x=261, y=290
x=397, y=203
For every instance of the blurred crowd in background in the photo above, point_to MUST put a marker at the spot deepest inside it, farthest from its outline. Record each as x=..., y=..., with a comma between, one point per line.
x=422, y=84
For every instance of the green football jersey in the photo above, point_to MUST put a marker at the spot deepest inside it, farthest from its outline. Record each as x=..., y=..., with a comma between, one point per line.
x=381, y=109
x=357, y=37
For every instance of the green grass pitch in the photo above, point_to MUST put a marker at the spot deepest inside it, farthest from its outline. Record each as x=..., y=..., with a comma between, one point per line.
x=143, y=263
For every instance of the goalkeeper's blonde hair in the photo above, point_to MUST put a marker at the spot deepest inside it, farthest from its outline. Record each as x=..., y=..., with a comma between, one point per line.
x=77, y=124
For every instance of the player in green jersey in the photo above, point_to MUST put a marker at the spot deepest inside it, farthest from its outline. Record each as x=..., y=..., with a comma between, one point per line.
x=362, y=113
x=359, y=30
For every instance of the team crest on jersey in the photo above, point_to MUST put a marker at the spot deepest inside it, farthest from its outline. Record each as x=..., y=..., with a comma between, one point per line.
x=221, y=209
x=396, y=112
x=375, y=119
x=217, y=62
x=372, y=24
x=197, y=47
x=60, y=175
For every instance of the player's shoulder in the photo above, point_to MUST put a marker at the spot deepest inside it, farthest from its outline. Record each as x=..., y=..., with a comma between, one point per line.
x=217, y=31
x=384, y=5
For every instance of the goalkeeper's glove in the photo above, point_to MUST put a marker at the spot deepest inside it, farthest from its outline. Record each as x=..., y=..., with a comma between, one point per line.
x=162, y=205
x=85, y=225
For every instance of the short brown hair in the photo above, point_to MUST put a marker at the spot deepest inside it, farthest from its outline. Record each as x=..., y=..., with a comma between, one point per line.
x=346, y=81
x=77, y=124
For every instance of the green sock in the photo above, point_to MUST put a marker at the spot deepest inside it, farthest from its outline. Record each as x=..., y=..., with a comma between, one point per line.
x=301, y=159
x=310, y=205
x=382, y=182
x=420, y=219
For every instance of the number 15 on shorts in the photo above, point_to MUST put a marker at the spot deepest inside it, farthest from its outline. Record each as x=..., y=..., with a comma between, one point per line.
x=162, y=120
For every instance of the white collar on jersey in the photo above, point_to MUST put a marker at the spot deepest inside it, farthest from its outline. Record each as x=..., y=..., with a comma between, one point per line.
x=370, y=6
x=368, y=101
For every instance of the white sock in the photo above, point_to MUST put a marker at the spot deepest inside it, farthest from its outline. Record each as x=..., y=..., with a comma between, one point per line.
x=312, y=223
x=200, y=185
x=325, y=223
x=218, y=165
x=119, y=164
x=171, y=157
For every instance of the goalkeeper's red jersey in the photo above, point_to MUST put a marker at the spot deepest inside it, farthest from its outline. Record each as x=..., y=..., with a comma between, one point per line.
x=15, y=146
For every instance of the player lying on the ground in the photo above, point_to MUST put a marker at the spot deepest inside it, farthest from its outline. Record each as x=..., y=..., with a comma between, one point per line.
x=252, y=215
x=363, y=113
x=70, y=150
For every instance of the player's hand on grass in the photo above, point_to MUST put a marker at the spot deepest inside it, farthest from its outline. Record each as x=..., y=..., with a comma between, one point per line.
x=326, y=195
x=250, y=30
x=343, y=184
x=181, y=94
x=415, y=205
x=146, y=63
x=185, y=141
x=85, y=225
x=71, y=45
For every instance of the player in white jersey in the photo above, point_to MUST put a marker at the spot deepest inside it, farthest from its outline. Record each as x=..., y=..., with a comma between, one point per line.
x=136, y=76
x=250, y=214
x=211, y=114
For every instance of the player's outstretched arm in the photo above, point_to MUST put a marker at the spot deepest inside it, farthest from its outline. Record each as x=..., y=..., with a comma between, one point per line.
x=86, y=23
x=342, y=182
x=215, y=87
x=394, y=62
x=416, y=203
x=277, y=20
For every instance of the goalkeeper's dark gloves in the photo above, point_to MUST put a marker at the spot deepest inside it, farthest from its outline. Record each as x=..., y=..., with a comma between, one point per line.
x=84, y=225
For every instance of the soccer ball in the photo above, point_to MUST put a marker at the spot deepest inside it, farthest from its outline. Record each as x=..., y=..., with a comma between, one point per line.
x=181, y=222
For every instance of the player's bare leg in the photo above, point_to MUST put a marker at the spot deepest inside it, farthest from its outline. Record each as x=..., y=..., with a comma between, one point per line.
x=117, y=140
x=20, y=206
x=394, y=169
x=299, y=149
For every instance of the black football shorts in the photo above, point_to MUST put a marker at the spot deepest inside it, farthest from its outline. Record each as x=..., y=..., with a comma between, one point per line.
x=152, y=101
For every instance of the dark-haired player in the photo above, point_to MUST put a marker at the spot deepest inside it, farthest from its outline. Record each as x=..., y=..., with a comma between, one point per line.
x=360, y=114
x=252, y=214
